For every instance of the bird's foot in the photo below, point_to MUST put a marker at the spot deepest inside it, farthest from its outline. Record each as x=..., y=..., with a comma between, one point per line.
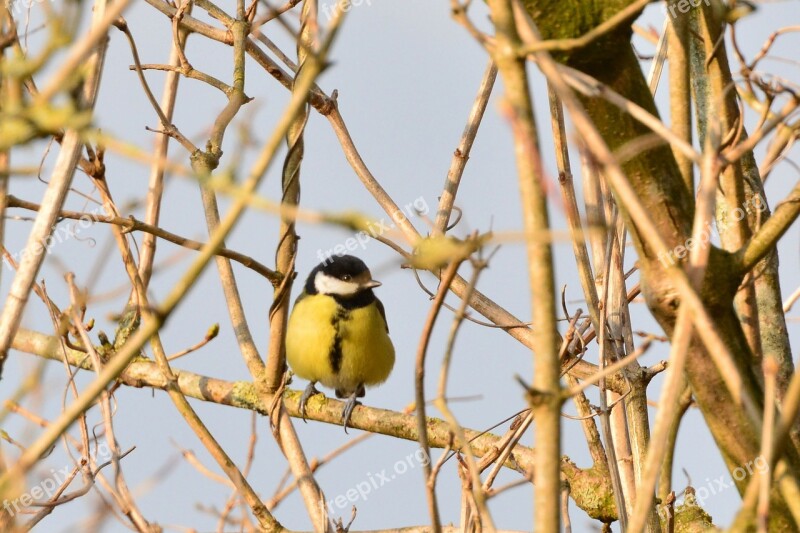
x=352, y=401
x=310, y=391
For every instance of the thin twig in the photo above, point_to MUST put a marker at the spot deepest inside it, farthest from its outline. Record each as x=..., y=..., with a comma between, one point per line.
x=419, y=388
x=131, y=224
x=461, y=155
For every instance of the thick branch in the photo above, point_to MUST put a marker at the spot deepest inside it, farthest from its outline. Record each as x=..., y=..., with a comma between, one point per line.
x=594, y=495
x=766, y=238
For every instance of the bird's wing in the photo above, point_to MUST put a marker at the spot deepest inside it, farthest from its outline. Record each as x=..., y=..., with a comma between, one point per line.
x=382, y=311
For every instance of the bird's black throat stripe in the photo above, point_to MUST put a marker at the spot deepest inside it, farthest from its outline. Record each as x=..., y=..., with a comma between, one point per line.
x=342, y=314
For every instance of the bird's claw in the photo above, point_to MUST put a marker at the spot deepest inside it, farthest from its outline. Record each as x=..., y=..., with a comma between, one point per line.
x=352, y=401
x=310, y=391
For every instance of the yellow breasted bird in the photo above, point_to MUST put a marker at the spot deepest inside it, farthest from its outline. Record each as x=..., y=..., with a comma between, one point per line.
x=337, y=333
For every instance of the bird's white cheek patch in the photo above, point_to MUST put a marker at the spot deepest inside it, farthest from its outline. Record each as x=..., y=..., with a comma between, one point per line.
x=329, y=285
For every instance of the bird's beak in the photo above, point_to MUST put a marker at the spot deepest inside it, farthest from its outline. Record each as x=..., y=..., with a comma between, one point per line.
x=371, y=284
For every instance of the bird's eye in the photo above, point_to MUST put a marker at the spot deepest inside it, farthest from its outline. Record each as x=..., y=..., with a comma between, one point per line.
x=347, y=277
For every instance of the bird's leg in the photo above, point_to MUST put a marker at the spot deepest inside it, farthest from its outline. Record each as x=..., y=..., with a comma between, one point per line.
x=310, y=391
x=352, y=401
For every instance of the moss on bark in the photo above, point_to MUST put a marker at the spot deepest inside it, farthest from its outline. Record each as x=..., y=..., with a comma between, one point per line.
x=655, y=176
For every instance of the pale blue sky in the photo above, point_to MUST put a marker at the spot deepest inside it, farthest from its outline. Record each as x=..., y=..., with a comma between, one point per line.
x=407, y=75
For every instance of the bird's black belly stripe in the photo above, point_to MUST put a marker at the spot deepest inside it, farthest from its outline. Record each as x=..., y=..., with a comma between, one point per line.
x=335, y=354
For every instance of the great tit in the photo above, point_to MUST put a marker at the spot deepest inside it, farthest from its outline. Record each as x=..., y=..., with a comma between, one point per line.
x=337, y=333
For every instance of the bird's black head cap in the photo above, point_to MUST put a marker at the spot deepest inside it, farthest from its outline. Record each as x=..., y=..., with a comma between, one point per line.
x=343, y=267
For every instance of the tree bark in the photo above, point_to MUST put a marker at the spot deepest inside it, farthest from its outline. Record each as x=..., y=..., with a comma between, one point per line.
x=655, y=176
